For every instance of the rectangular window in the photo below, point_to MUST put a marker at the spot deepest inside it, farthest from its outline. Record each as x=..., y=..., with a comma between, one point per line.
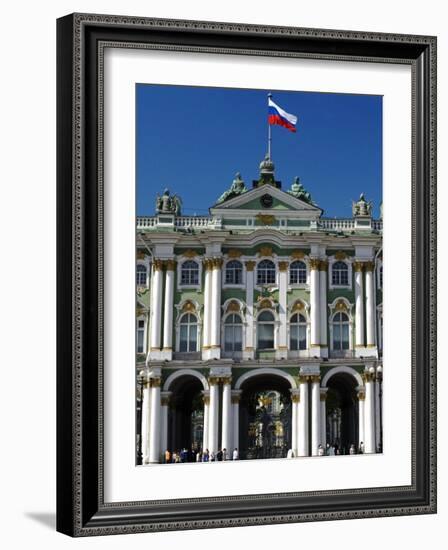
x=140, y=336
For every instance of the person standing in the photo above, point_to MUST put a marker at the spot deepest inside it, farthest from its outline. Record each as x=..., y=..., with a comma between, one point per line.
x=167, y=456
x=235, y=455
x=219, y=455
x=205, y=456
x=320, y=451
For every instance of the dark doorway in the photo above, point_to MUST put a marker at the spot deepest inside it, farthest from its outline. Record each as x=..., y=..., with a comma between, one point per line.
x=186, y=415
x=265, y=418
x=342, y=420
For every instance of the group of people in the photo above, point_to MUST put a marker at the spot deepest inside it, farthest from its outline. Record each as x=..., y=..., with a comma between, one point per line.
x=334, y=449
x=199, y=455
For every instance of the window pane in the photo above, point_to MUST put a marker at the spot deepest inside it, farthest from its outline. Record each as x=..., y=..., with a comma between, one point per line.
x=228, y=340
x=302, y=337
x=336, y=336
x=265, y=336
x=193, y=338
x=183, y=344
x=238, y=333
x=293, y=344
x=345, y=339
x=140, y=336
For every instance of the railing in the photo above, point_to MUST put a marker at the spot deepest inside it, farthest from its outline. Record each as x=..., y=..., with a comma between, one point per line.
x=184, y=222
x=337, y=225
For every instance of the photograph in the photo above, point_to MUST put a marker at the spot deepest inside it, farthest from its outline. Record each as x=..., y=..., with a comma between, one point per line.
x=258, y=274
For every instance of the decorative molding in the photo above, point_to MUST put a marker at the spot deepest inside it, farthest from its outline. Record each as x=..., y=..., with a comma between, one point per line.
x=190, y=253
x=266, y=251
x=341, y=306
x=298, y=254
x=369, y=266
x=340, y=255
x=283, y=266
x=233, y=253
x=233, y=306
x=157, y=265
x=188, y=307
x=266, y=219
x=250, y=265
x=170, y=265
x=141, y=254
x=358, y=267
x=323, y=265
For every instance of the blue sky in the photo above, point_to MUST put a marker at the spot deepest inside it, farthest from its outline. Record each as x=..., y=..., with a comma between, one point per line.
x=193, y=140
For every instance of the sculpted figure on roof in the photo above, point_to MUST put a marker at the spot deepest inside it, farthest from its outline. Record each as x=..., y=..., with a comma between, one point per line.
x=237, y=188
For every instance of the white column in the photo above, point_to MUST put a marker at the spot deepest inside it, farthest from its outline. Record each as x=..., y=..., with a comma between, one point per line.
x=323, y=267
x=215, y=331
x=156, y=307
x=377, y=412
x=361, y=421
x=249, y=347
x=282, y=346
x=168, y=309
x=323, y=417
x=314, y=302
x=226, y=416
x=359, y=305
x=369, y=414
x=295, y=399
x=303, y=447
x=146, y=415
x=370, y=306
x=207, y=308
x=165, y=400
x=154, y=428
x=205, y=432
x=236, y=419
x=315, y=414
x=213, y=414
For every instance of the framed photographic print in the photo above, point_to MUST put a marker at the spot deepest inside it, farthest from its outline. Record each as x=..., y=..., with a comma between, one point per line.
x=237, y=205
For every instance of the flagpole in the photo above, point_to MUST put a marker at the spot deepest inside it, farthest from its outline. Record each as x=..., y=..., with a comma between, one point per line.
x=269, y=132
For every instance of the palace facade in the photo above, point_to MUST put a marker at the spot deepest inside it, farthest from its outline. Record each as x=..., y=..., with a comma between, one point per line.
x=259, y=327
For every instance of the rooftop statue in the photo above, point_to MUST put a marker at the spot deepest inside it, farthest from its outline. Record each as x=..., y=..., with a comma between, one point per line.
x=299, y=192
x=361, y=207
x=237, y=188
x=168, y=204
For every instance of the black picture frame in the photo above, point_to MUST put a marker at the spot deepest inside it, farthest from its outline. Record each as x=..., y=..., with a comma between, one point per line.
x=81, y=510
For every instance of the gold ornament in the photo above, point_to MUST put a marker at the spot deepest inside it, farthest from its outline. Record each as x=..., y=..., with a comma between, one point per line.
x=298, y=254
x=340, y=255
x=314, y=263
x=188, y=307
x=190, y=253
x=266, y=251
x=265, y=303
x=250, y=265
x=283, y=266
x=170, y=265
x=141, y=255
x=233, y=306
x=340, y=305
x=323, y=265
x=369, y=266
x=358, y=267
x=265, y=219
x=234, y=253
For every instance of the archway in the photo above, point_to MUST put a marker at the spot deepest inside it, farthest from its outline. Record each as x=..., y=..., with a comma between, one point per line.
x=265, y=417
x=342, y=412
x=186, y=415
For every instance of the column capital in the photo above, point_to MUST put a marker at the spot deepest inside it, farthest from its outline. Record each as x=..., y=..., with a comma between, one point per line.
x=170, y=265
x=154, y=382
x=216, y=263
x=361, y=395
x=323, y=265
x=314, y=378
x=302, y=379
x=206, y=399
x=358, y=266
x=368, y=377
x=323, y=394
x=314, y=263
x=250, y=264
x=207, y=264
x=369, y=266
x=157, y=264
x=283, y=266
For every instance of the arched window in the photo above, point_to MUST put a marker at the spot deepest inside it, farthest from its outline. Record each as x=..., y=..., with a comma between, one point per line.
x=297, y=273
x=188, y=335
x=265, y=272
x=339, y=274
x=341, y=325
x=141, y=275
x=140, y=336
x=233, y=333
x=189, y=274
x=234, y=273
x=297, y=332
x=265, y=330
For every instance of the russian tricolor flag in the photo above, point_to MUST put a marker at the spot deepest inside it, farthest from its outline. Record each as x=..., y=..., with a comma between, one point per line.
x=276, y=115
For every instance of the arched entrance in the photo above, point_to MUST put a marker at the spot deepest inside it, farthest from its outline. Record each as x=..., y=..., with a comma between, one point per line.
x=265, y=417
x=342, y=412
x=186, y=414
